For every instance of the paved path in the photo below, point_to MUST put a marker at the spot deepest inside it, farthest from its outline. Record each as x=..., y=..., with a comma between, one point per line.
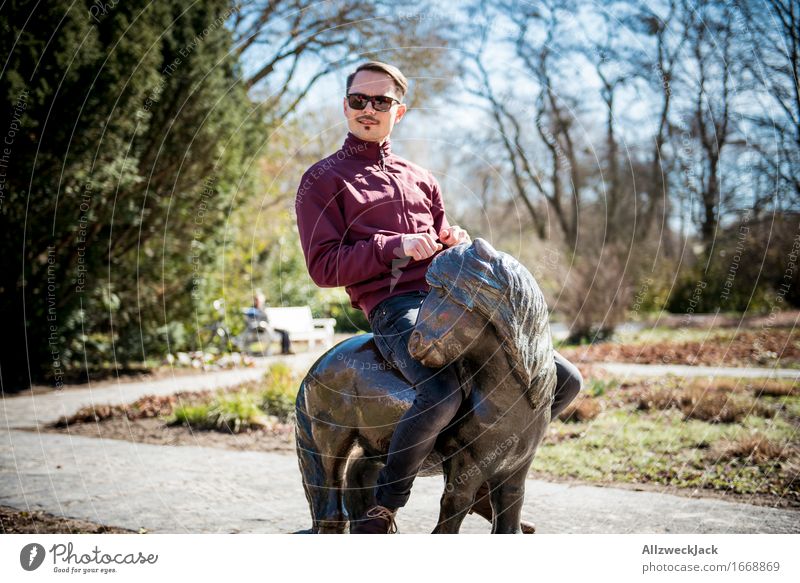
x=199, y=489
x=685, y=370
x=202, y=490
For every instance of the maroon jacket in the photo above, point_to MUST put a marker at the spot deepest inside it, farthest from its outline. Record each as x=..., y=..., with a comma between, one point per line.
x=352, y=209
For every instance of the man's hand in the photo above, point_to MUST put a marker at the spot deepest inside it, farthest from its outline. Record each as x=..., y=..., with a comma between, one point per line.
x=420, y=246
x=453, y=236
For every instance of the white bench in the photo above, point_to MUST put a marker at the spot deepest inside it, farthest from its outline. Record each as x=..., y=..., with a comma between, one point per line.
x=297, y=321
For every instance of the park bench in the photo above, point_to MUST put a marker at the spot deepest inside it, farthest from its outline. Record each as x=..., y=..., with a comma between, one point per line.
x=297, y=321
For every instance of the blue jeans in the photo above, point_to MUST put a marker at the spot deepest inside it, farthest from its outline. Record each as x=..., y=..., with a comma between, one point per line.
x=438, y=396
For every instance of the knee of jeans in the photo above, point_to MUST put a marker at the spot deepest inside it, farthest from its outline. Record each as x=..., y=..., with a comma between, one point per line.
x=570, y=378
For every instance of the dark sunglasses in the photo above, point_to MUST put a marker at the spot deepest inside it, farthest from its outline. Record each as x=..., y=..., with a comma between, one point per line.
x=379, y=102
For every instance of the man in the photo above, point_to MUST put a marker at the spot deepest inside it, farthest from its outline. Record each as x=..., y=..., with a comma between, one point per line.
x=257, y=318
x=372, y=221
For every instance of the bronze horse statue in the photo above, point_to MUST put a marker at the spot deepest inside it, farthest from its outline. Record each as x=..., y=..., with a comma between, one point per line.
x=487, y=315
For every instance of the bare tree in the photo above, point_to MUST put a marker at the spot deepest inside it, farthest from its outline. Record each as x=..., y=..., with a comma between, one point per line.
x=712, y=69
x=289, y=37
x=660, y=24
x=545, y=116
x=773, y=32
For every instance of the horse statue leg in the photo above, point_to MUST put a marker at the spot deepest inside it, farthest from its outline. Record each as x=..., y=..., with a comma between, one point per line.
x=322, y=469
x=457, y=498
x=507, y=496
x=361, y=476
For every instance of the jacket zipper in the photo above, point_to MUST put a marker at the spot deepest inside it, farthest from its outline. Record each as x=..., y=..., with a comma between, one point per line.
x=382, y=166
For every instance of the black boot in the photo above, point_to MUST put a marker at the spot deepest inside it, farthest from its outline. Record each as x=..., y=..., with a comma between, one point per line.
x=379, y=520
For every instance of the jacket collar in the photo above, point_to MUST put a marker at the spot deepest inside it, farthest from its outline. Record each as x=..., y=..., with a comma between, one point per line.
x=357, y=148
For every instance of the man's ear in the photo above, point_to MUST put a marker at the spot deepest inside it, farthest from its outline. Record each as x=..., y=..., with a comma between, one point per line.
x=401, y=111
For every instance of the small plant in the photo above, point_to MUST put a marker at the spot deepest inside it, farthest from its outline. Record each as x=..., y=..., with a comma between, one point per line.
x=599, y=387
x=192, y=415
x=237, y=411
x=232, y=412
x=279, y=402
x=279, y=396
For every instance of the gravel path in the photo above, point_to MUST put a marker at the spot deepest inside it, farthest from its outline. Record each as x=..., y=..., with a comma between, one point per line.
x=205, y=490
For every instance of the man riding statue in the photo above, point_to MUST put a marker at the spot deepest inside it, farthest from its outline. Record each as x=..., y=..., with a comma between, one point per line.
x=459, y=375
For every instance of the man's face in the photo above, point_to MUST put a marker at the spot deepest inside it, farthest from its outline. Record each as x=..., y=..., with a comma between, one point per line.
x=368, y=124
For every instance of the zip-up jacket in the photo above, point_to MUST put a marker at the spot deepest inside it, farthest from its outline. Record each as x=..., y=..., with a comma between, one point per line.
x=353, y=208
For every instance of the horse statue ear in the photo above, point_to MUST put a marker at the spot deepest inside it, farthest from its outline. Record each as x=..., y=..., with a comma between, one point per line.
x=484, y=249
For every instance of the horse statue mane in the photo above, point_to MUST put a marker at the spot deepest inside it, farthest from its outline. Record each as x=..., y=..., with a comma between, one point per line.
x=505, y=293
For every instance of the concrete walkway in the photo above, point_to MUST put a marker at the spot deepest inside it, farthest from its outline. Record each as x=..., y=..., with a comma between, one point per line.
x=625, y=369
x=200, y=489
x=206, y=490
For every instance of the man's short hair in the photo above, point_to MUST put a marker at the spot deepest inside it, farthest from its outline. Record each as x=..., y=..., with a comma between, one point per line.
x=400, y=81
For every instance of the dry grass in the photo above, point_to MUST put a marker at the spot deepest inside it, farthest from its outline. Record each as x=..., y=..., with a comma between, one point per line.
x=775, y=389
x=583, y=408
x=659, y=398
x=720, y=406
x=714, y=401
x=751, y=448
x=146, y=407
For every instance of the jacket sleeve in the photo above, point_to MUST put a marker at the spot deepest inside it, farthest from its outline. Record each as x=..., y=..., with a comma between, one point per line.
x=437, y=207
x=330, y=260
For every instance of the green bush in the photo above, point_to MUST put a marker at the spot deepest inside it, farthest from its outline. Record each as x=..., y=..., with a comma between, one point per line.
x=232, y=412
x=279, y=396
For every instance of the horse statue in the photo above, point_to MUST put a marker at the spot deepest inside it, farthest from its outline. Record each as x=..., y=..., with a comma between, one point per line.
x=486, y=314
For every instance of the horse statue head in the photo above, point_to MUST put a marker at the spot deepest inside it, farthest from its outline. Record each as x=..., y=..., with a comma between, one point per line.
x=485, y=313
x=474, y=287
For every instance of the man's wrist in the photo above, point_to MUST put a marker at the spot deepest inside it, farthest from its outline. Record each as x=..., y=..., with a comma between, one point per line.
x=391, y=248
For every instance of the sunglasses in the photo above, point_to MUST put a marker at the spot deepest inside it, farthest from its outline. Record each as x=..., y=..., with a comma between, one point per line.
x=379, y=102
